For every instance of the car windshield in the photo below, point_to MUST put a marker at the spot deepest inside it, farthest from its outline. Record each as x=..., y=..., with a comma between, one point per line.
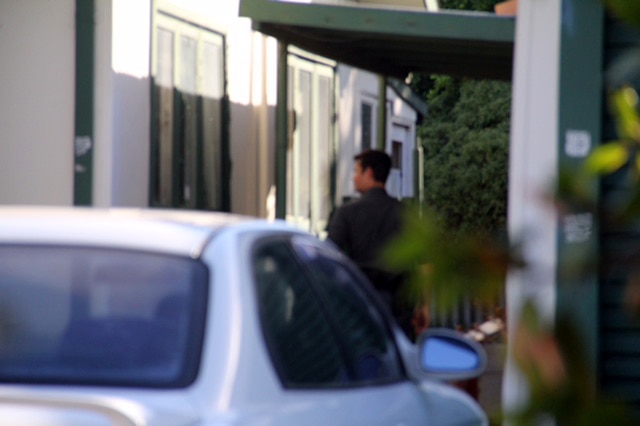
x=95, y=316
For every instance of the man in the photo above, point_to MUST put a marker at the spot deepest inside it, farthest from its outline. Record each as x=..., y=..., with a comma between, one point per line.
x=361, y=229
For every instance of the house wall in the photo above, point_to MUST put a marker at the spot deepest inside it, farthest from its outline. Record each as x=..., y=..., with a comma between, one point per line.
x=121, y=103
x=355, y=87
x=252, y=80
x=37, y=104
x=37, y=101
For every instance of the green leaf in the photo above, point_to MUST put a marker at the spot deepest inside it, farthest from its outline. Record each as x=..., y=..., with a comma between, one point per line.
x=607, y=158
x=626, y=10
x=624, y=103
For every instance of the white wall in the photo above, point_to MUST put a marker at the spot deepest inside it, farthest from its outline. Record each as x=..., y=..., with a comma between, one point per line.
x=252, y=87
x=37, y=102
x=122, y=103
x=37, y=86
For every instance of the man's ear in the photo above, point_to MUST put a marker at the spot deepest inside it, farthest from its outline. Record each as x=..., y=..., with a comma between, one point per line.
x=371, y=178
x=368, y=172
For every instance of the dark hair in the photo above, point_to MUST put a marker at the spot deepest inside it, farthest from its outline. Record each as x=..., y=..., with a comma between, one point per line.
x=378, y=161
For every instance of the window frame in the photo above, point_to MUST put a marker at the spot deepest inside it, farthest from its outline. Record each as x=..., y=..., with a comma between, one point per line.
x=182, y=161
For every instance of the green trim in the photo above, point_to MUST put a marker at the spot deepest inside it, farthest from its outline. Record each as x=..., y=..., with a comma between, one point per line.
x=282, y=131
x=177, y=174
x=199, y=157
x=84, y=138
x=154, y=148
x=580, y=103
x=409, y=96
x=225, y=153
x=392, y=42
x=452, y=25
x=381, y=143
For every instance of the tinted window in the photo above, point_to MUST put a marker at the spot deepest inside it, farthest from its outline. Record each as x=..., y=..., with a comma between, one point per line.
x=301, y=341
x=362, y=329
x=96, y=316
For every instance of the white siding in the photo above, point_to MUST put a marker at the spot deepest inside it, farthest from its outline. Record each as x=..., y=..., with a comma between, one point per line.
x=122, y=97
x=37, y=86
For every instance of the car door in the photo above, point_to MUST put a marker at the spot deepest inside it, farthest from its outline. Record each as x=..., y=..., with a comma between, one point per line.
x=330, y=345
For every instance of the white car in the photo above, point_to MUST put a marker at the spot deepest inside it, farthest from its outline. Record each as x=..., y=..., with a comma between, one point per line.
x=156, y=317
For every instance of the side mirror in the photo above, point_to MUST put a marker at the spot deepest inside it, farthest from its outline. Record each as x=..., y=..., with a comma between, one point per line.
x=448, y=355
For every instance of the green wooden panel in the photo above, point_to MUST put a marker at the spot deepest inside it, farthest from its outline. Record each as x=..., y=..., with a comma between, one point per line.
x=580, y=111
x=613, y=317
x=621, y=342
x=619, y=351
x=83, y=143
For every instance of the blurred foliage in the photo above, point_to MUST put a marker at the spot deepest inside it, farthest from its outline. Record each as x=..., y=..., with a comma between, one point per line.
x=573, y=189
x=455, y=248
x=446, y=269
x=559, y=375
x=625, y=10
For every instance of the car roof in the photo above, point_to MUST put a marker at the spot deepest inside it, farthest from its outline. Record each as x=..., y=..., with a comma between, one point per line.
x=183, y=232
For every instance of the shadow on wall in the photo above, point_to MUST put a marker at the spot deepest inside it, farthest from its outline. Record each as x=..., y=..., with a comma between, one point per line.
x=121, y=165
x=253, y=157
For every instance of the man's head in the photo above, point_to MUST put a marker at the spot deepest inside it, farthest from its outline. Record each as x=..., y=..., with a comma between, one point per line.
x=371, y=170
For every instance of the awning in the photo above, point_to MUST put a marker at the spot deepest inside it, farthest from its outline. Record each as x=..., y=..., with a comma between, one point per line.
x=392, y=42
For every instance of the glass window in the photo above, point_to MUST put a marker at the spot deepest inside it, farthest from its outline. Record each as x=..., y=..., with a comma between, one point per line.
x=303, y=152
x=213, y=88
x=309, y=168
x=373, y=356
x=302, y=344
x=189, y=125
x=396, y=155
x=164, y=106
x=100, y=317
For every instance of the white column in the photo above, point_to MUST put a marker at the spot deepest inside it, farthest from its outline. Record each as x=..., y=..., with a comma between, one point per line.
x=533, y=168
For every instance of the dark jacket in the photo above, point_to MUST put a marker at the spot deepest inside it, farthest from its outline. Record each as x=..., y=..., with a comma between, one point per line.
x=362, y=227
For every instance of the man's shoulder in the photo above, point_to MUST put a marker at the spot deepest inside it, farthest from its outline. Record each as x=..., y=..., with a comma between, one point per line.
x=371, y=199
x=380, y=196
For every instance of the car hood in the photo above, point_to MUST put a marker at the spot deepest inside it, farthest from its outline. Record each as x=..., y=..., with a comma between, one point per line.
x=27, y=407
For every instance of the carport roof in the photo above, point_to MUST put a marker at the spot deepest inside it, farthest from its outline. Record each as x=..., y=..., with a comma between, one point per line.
x=392, y=41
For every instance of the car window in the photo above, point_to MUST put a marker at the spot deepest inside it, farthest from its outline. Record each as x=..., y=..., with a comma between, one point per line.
x=302, y=344
x=77, y=315
x=369, y=344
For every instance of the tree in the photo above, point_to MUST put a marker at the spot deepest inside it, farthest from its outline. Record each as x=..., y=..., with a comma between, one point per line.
x=465, y=140
x=481, y=5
